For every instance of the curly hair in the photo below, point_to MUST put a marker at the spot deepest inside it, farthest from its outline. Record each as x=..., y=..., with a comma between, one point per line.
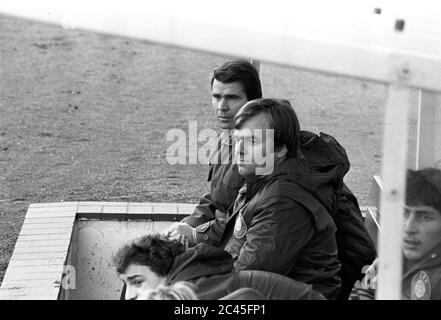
x=153, y=250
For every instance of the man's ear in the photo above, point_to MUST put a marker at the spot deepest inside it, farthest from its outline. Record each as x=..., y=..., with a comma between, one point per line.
x=281, y=152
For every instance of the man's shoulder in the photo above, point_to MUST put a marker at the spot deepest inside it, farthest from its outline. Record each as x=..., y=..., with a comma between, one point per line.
x=282, y=193
x=283, y=187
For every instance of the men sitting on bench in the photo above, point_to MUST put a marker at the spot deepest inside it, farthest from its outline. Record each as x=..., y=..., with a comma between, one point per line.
x=233, y=84
x=277, y=222
x=421, y=241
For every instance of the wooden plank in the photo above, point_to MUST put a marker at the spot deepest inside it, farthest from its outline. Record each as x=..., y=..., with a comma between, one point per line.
x=13, y=263
x=30, y=220
x=372, y=224
x=30, y=231
x=45, y=275
x=73, y=204
x=342, y=38
x=429, y=130
x=393, y=194
x=37, y=283
x=55, y=214
x=44, y=237
x=29, y=293
x=166, y=209
x=70, y=210
x=48, y=225
x=42, y=249
x=59, y=268
x=40, y=243
x=376, y=189
x=39, y=256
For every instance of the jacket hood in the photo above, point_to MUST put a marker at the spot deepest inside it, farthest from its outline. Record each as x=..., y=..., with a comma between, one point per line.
x=299, y=171
x=198, y=261
x=324, y=153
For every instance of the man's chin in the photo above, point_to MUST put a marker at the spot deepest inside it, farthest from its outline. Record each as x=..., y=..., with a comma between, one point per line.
x=245, y=171
x=412, y=256
x=225, y=124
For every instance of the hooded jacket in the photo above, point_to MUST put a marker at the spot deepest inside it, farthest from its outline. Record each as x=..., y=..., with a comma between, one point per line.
x=199, y=261
x=422, y=280
x=210, y=269
x=329, y=158
x=225, y=181
x=278, y=225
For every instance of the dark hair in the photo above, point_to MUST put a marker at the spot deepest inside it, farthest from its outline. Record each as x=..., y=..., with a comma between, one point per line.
x=423, y=187
x=242, y=71
x=154, y=250
x=281, y=117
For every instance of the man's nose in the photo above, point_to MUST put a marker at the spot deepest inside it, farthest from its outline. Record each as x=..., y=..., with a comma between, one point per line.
x=410, y=224
x=130, y=294
x=223, y=105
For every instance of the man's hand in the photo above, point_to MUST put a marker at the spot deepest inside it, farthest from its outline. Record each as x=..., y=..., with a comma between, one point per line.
x=181, y=232
x=370, y=279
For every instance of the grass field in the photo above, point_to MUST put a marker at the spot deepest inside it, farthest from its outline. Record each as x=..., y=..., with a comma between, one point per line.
x=84, y=116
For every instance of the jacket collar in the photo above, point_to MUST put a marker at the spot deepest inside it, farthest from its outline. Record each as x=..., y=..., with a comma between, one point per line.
x=430, y=260
x=296, y=168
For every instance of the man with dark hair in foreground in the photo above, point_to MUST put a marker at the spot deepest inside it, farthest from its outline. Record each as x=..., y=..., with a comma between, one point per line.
x=421, y=241
x=233, y=84
x=154, y=261
x=277, y=223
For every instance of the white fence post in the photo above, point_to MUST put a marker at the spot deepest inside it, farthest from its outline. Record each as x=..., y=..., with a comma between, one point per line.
x=393, y=194
x=428, y=150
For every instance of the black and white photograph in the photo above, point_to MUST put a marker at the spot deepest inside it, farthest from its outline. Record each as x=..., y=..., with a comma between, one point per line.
x=220, y=150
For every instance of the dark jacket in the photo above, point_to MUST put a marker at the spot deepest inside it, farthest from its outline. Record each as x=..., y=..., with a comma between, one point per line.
x=324, y=154
x=278, y=225
x=422, y=281
x=355, y=246
x=210, y=215
x=210, y=269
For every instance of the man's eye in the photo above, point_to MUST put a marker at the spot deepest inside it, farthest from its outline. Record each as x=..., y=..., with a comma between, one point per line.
x=138, y=283
x=427, y=217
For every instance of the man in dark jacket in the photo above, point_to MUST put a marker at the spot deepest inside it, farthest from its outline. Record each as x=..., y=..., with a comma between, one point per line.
x=233, y=84
x=153, y=261
x=277, y=224
x=421, y=241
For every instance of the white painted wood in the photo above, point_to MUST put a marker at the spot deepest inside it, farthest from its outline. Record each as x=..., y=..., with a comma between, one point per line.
x=376, y=189
x=429, y=130
x=338, y=37
x=393, y=193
